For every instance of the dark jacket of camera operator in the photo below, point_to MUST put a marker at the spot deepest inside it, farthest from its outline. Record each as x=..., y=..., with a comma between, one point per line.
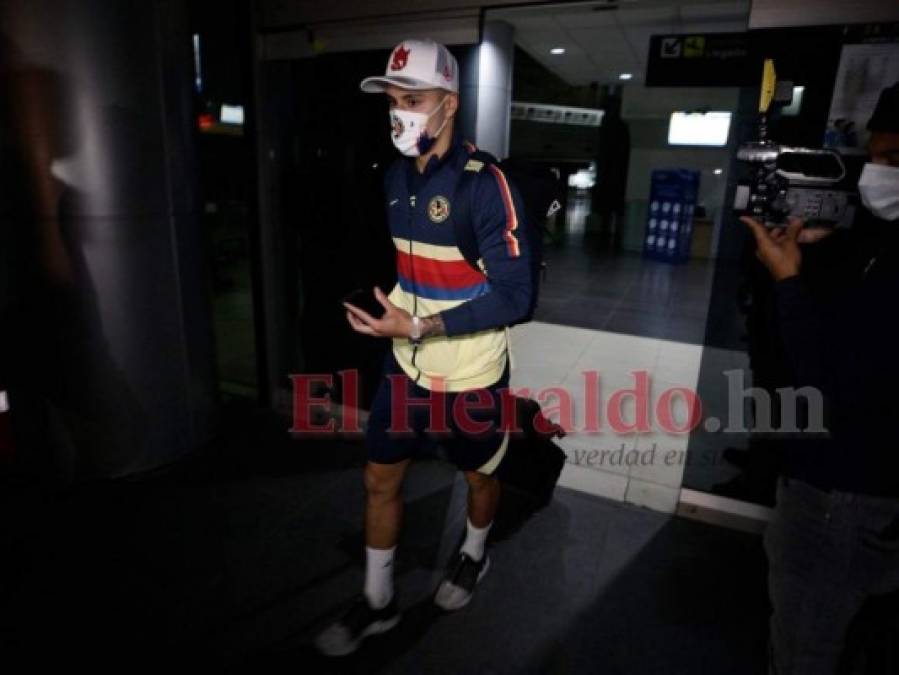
x=838, y=330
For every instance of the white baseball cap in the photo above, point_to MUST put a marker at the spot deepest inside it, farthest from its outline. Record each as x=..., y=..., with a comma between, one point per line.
x=417, y=64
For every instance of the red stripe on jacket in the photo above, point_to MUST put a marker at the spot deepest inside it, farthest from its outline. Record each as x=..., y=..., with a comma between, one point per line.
x=438, y=273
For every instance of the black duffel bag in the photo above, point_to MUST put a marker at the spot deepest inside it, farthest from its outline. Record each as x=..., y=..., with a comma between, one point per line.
x=533, y=462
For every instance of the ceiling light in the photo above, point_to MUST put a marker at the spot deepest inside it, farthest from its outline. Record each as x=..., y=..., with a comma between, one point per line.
x=625, y=76
x=718, y=172
x=557, y=50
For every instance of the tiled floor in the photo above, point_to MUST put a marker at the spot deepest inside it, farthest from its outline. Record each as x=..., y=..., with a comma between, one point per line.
x=616, y=312
x=237, y=559
x=622, y=292
x=642, y=468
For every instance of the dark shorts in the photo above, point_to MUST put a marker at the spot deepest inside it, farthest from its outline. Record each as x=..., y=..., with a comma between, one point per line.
x=470, y=443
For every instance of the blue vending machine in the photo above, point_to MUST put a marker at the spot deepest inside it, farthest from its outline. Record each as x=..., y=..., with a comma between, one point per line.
x=669, y=224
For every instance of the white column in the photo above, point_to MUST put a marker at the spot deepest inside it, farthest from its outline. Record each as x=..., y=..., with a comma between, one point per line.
x=497, y=51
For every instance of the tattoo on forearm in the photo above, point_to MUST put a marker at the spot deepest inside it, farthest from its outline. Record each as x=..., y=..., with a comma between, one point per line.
x=432, y=325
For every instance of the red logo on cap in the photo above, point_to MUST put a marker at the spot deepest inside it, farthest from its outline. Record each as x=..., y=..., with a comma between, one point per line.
x=447, y=72
x=400, y=57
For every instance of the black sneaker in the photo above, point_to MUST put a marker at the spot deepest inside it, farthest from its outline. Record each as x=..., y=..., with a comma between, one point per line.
x=456, y=589
x=344, y=635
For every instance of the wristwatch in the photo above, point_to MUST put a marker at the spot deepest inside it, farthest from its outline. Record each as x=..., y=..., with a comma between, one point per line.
x=415, y=333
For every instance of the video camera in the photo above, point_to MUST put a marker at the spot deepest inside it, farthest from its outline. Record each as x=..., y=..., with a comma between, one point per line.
x=810, y=183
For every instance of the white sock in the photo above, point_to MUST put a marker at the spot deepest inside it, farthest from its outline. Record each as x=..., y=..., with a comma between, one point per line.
x=379, y=576
x=475, y=540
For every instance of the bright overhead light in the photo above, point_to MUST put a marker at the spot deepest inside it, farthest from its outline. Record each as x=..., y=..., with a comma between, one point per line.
x=718, y=172
x=625, y=76
x=557, y=50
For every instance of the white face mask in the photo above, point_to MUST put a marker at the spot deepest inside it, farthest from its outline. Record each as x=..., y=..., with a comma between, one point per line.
x=879, y=189
x=410, y=130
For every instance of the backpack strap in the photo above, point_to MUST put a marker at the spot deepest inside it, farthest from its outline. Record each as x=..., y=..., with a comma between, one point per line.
x=463, y=226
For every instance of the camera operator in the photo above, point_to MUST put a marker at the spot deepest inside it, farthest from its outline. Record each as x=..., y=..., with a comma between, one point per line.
x=833, y=542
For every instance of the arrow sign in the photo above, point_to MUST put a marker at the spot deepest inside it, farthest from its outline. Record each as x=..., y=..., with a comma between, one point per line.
x=671, y=48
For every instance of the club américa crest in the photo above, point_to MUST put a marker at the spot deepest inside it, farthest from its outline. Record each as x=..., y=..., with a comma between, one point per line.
x=438, y=209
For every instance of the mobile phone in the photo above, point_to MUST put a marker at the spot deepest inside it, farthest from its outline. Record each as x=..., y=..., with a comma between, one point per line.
x=366, y=301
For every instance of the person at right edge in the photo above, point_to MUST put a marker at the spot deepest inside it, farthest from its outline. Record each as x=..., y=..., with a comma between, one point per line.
x=833, y=541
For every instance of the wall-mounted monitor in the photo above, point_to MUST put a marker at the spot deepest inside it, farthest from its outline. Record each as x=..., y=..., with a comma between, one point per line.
x=231, y=114
x=708, y=129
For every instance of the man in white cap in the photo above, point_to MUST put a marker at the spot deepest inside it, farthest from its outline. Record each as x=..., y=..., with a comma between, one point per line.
x=448, y=320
